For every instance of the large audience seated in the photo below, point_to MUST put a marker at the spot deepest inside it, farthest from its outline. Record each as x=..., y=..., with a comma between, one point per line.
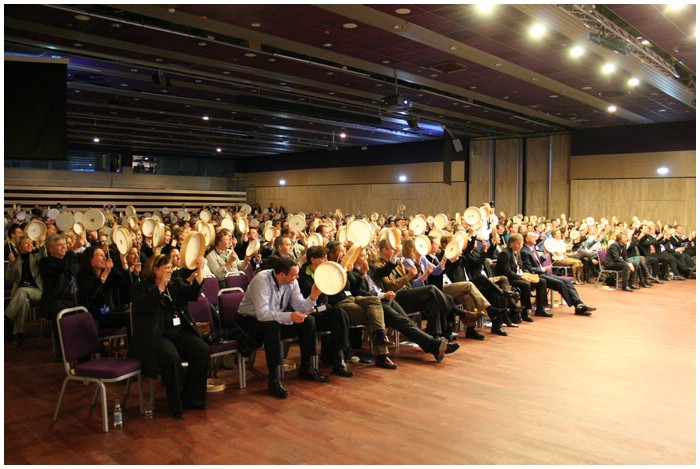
x=140, y=270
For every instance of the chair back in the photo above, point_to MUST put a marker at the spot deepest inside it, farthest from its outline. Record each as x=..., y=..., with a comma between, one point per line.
x=237, y=279
x=78, y=334
x=602, y=254
x=249, y=271
x=210, y=289
x=229, y=301
x=200, y=310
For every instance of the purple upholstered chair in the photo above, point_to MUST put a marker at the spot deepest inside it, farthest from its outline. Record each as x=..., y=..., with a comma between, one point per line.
x=80, y=347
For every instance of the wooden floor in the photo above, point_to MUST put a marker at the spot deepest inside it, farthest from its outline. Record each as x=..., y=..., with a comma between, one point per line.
x=615, y=388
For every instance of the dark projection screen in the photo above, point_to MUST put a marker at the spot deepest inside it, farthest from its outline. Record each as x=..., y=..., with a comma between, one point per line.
x=35, y=110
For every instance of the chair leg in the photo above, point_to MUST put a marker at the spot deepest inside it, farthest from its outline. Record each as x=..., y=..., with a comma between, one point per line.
x=60, y=399
x=105, y=416
x=94, y=396
x=241, y=372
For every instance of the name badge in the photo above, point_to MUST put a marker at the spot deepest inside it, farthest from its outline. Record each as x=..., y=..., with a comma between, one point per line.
x=176, y=321
x=321, y=308
x=347, y=293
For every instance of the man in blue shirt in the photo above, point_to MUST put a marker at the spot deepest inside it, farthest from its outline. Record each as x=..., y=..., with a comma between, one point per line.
x=274, y=308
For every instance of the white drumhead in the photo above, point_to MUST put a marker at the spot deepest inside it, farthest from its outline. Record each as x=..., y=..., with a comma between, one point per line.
x=246, y=209
x=359, y=232
x=53, y=213
x=422, y=244
x=253, y=247
x=35, y=230
x=242, y=223
x=297, y=223
x=93, y=219
x=122, y=238
x=314, y=239
x=205, y=215
x=374, y=216
x=574, y=235
x=552, y=245
x=440, y=221
x=436, y=233
x=209, y=232
x=227, y=223
x=452, y=249
x=65, y=221
x=270, y=233
x=590, y=221
x=462, y=238
x=330, y=278
x=192, y=249
x=130, y=211
x=418, y=226
x=351, y=256
x=148, y=226
x=343, y=234
x=472, y=215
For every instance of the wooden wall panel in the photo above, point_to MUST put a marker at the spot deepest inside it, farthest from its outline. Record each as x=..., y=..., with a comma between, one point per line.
x=536, y=175
x=507, y=187
x=665, y=199
x=426, y=198
x=560, y=186
x=633, y=165
x=480, y=169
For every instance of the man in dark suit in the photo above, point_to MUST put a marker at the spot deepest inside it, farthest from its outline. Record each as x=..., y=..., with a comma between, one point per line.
x=533, y=263
x=58, y=271
x=510, y=265
x=617, y=259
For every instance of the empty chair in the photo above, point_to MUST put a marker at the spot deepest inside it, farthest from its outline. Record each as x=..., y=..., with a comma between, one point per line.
x=604, y=273
x=249, y=271
x=80, y=348
x=236, y=279
x=229, y=300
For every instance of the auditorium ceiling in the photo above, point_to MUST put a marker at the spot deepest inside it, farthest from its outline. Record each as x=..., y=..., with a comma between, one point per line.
x=254, y=80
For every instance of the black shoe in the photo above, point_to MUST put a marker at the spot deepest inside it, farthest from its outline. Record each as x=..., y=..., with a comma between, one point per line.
x=511, y=294
x=542, y=313
x=496, y=314
x=496, y=329
x=657, y=280
x=382, y=340
x=507, y=321
x=383, y=361
x=341, y=369
x=626, y=288
x=276, y=389
x=472, y=334
x=451, y=348
x=514, y=316
x=526, y=317
x=18, y=339
x=312, y=374
x=583, y=310
x=440, y=349
x=634, y=287
x=645, y=285
x=679, y=277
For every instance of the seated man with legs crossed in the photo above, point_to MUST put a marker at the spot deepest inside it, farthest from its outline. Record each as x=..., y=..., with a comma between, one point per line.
x=532, y=263
x=274, y=308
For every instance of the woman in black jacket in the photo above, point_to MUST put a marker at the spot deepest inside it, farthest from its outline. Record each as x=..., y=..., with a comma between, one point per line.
x=165, y=335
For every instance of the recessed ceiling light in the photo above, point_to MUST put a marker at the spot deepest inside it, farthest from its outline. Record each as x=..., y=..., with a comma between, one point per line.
x=587, y=88
x=202, y=44
x=255, y=25
x=553, y=95
x=612, y=108
x=77, y=44
x=272, y=59
x=158, y=59
x=343, y=135
x=633, y=81
x=645, y=42
x=218, y=149
x=330, y=73
x=96, y=140
x=663, y=170
x=402, y=11
x=537, y=30
x=226, y=72
x=250, y=54
x=453, y=47
x=386, y=61
x=397, y=26
x=484, y=7
x=82, y=17
x=283, y=83
x=327, y=44
x=576, y=52
x=350, y=26
x=206, y=118
x=608, y=68
x=282, y=182
x=116, y=25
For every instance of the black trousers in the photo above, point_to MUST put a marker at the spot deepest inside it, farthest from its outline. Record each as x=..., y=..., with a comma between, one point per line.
x=271, y=333
x=525, y=290
x=563, y=286
x=627, y=277
x=184, y=385
x=439, y=309
x=337, y=322
x=396, y=318
x=487, y=288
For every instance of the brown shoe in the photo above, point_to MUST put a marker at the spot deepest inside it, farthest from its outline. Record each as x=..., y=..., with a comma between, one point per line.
x=471, y=317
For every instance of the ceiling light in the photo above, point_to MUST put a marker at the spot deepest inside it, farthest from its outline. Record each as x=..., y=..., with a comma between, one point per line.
x=576, y=52
x=612, y=108
x=645, y=42
x=397, y=26
x=328, y=44
x=282, y=182
x=250, y=54
x=206, y=118
x=402, y=178
x=537, y=31
x=633, y=81
x=343, y=135
x=663, y=171
x=608, y=68
x=82, y=17
x=255, y=25
x=218, y=149
x=402, y=11
x=96, y=140
x=349, y=26
x=484, y=7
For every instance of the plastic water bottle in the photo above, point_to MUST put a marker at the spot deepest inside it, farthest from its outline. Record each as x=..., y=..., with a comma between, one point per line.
x=118, y=418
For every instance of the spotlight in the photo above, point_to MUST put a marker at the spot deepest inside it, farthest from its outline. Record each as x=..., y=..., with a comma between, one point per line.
x=396, y=101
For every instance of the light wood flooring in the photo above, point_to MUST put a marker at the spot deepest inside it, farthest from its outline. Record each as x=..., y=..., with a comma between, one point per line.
x=616, y=388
